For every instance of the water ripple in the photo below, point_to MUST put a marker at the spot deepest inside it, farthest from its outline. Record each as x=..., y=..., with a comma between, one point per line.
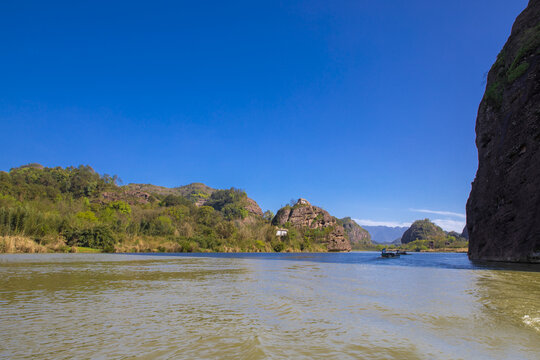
x=151, y=307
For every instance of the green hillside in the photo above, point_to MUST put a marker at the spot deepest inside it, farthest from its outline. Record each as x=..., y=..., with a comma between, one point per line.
x=59, y=209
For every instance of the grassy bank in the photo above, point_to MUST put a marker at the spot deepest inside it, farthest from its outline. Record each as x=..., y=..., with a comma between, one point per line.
x=22, y=244
x=85, y=250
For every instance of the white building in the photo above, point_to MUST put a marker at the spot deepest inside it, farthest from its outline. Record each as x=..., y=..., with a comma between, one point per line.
x=281, y=232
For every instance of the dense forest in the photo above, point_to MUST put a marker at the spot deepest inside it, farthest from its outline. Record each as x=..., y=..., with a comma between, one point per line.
x=77, y=209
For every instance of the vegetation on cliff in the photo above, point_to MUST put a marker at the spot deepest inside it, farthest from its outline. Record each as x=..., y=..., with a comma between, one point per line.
x=424, y=235
x=511, y=64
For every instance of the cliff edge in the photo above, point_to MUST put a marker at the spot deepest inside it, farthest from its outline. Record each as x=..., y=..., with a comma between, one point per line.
x=503, y=210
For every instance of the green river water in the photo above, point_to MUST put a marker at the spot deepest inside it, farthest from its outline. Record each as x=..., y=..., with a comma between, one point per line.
x=266, y=306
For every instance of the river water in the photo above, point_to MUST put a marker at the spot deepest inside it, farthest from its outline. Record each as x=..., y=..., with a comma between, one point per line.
x=260, y=306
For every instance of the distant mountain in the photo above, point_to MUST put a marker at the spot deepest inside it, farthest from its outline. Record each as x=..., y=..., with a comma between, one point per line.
x=385, y=234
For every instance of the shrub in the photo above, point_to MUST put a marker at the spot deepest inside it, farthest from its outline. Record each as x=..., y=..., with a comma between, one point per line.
x=121, y=207
x=99, y=237
x=87, y=215
x=278, y=246
x=221, y=198
x=517, y=72
x=234, y=211
x=174, y=200
x=494, y=95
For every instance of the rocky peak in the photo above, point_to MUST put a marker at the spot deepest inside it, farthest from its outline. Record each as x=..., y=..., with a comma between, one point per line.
x=305, y=215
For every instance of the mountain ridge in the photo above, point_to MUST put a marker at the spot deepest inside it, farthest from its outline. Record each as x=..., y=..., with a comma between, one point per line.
x=385, y=234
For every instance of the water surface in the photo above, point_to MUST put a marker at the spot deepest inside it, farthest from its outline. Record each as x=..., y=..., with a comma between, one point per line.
x=255, y=306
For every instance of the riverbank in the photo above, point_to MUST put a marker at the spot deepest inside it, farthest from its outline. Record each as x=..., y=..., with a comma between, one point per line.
x=23, y=244
x=439, y=250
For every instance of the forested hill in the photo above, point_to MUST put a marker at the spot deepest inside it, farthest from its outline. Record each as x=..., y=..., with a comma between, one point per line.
x=63, y=209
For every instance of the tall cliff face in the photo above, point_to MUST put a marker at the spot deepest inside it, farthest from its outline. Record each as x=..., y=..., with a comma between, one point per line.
x=305, y=215
x=503, y=210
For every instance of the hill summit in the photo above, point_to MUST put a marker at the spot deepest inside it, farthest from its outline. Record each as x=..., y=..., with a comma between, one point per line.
x=422, y=230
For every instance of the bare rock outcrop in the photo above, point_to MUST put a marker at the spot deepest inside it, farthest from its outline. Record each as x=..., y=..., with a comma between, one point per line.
x=503, y=210
x=337, y=241
x=305, y=215
x=253, y=208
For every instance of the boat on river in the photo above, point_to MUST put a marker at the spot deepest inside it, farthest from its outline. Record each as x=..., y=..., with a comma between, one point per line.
x=388, y=254
x=402, y=252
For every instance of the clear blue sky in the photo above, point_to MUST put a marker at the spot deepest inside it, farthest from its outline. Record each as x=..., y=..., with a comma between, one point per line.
x=366, y=108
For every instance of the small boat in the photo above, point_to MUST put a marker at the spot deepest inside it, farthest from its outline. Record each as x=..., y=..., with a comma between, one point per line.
x=388, y=254
x=402, y=252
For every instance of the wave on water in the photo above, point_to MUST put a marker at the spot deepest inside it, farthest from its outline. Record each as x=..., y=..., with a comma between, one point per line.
x=533, y=322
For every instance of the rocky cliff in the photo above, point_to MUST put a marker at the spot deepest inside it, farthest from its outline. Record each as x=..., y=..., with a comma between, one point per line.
x=422, y=230
x=503, y=210
x=305, y=215
x=253, y=208
x=358, y=236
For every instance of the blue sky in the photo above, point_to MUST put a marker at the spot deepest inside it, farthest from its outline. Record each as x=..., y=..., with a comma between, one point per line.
x=366, y=108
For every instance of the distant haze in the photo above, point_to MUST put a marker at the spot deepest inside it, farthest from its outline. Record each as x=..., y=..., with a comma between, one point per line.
x=385, y=234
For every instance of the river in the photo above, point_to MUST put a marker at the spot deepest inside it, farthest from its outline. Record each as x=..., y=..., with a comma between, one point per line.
x=266, y=306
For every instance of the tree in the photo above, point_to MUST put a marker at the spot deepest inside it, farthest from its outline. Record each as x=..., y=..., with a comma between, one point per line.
x=268, y=215
x=220, y=198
